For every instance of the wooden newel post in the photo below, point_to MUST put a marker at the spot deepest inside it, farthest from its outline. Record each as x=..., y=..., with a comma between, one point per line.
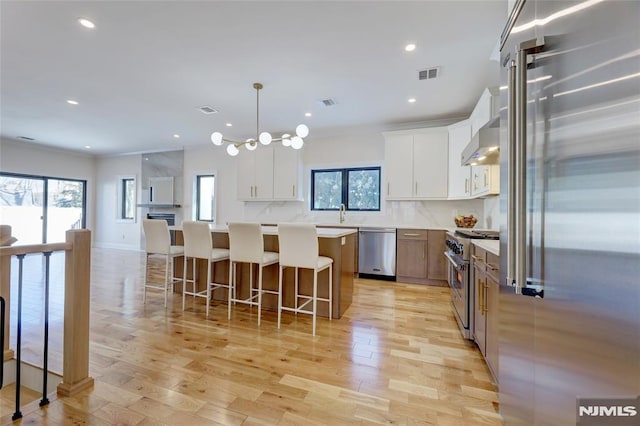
x=75, y=366
x=5, y=287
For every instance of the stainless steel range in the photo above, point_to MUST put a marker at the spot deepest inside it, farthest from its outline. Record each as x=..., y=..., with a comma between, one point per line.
x=458, y=254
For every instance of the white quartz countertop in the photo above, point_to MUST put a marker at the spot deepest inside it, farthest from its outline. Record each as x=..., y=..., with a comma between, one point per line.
x=273, y=230
x=492, y=246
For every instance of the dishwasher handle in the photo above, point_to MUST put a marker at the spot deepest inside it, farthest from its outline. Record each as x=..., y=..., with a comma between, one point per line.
x=378, y=230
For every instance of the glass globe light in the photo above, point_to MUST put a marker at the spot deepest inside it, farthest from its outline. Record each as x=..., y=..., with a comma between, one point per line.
x=285, y=139
x=296, y=142
x=251, y=145
x=232, y=150
x=216, y=138
x=302, y=130
x=265, y=138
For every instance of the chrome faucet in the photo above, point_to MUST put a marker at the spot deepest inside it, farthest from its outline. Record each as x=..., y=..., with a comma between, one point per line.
x=342, y=211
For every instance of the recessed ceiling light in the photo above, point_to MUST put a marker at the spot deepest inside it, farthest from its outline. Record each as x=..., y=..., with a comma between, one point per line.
x=228, y=124
x=72, y=102
x=411, y=100
x=410, y=47
x=87, y=146
x=177, y=136
x=307, y=114
x=86, y=23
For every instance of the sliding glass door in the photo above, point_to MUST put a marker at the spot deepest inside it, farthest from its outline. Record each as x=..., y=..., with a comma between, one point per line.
x=40, y=209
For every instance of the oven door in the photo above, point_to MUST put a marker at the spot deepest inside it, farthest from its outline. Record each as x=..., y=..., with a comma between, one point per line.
x=458, y=278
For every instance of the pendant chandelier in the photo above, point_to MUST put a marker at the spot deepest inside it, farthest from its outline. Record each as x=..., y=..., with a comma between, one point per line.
x=265, y=138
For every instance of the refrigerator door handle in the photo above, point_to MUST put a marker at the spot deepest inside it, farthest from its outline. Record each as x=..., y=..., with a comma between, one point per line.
x=511, y=173
x=520, y=170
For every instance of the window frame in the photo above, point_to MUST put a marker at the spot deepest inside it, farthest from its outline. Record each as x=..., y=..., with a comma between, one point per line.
x=196, y=196
x=122, y=199
x=345, y=187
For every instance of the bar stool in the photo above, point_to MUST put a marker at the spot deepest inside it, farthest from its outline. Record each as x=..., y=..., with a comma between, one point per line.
x=299, y=249
x=198, y=244
x=246, y=245
x=158, y=243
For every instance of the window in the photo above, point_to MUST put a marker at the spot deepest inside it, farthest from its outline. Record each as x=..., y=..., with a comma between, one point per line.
x=126, y=198
x=40, y=209
x=205, y=198
x=357, y=188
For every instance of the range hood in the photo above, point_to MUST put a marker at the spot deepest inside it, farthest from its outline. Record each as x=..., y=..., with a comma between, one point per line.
x=484, y=147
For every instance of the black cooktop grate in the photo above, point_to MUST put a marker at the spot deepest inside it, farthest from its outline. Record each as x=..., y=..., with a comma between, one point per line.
x=478, y=235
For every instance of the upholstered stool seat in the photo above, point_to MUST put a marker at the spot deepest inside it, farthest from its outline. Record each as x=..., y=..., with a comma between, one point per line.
x=158, y=243
x=299, y=249
x=198, y=244
x=246, y=245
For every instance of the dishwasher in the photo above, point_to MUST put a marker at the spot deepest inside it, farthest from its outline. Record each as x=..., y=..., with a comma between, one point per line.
x=377, y=253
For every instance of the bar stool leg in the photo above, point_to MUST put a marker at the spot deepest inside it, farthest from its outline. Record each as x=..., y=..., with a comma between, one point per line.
x=166, y=278
x=184, y=279
x=232, y=287
x=208, y=288
x=296, y=298
x=144, y=283
x=315, y=298
x=330, y=291
x=280, y=294
x=259, y=293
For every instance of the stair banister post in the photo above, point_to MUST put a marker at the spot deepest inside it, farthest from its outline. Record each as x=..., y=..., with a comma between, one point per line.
x=75, y=364
x=5, y=287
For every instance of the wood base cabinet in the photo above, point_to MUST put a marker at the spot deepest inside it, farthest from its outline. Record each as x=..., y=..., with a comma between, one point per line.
x=493, y=292
x=420, y=256
x=485, y=306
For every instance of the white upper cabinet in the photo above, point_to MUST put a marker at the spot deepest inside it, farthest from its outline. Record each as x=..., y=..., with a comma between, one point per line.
x=485, y=180
x=459, y=176
x=398, y=155
x=255, y=174
x=430, y=163
x=416, y=164
x=486, y=110
x=269, y=173
x=287, y=173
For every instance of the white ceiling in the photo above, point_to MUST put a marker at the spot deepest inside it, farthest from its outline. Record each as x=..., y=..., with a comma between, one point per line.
x=140, y=75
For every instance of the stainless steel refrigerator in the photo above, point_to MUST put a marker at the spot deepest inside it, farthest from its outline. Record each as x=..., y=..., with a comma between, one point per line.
x=570, y=215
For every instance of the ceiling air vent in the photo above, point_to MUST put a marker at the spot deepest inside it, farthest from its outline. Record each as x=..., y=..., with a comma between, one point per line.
x=328, y=102
x=208, y=110
x=429, y=73
x=26, y=138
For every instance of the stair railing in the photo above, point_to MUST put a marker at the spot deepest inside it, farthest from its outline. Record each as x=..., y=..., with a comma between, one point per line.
x=77, y=250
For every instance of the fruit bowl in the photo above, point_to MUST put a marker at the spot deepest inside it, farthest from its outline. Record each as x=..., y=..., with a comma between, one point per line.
x=465, y=221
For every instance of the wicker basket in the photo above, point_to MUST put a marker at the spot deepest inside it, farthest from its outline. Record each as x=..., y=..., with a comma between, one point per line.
x=465, y=221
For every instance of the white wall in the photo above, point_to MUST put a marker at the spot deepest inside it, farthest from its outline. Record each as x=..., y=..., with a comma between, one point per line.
x=109, y=232
x=32, y=159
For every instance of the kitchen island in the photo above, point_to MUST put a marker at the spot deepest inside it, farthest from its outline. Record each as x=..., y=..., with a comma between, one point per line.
x=340, y=244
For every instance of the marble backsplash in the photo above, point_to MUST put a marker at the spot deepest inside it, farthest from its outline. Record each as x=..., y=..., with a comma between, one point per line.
x=424, y=214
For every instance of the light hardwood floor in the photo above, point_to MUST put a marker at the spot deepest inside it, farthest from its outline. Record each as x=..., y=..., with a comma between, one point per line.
x=396, y=357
